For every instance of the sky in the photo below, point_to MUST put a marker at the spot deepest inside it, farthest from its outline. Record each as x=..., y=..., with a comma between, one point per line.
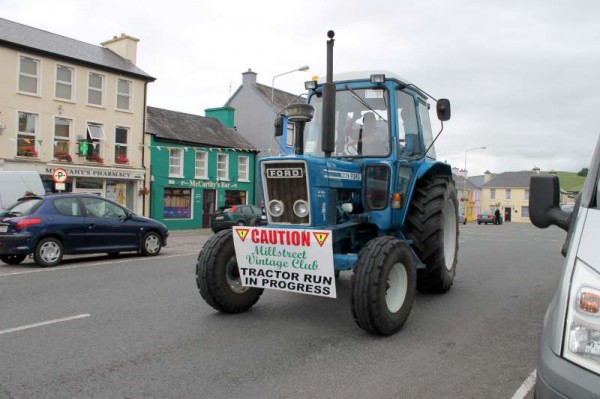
x=522, y=76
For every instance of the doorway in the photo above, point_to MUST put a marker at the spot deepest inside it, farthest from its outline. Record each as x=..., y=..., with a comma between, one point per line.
x=507, y=214
x=208, y=206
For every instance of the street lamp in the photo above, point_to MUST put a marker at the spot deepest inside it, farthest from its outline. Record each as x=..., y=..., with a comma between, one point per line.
x=465, y=179
x=302, y=68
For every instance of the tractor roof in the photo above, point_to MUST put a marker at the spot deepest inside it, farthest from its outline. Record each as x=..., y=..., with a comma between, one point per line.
x=363, y=75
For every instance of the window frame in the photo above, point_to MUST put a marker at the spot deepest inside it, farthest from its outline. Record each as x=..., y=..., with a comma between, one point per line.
x=71, y=84
x=205, y=166
x=247, y=169
x=219, y=169
x=507, y=193
x=180, y=164
x=128, y=95
x=492, y=193
x=32, y=136
x=56, y=139
x=38, y=77
x=127, y=145
x=101, y=90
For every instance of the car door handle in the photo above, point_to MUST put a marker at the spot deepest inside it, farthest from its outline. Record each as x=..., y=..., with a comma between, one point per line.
x=91, y=225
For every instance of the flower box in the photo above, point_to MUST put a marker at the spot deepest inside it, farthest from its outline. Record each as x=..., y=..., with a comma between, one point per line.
x=27, y=152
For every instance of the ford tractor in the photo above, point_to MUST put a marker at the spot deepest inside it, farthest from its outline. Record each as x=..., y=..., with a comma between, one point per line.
x=362, y=192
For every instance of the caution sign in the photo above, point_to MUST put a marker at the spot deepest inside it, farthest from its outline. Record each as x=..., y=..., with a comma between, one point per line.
x=292, y=260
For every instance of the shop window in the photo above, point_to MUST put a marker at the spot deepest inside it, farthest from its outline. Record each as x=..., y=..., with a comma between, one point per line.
x=177, y=203
x=235, y=197
x=29, y=79
x=26, y=138
x=62, y=137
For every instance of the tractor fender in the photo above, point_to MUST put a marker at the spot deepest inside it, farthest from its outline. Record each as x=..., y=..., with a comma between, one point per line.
x=435, y=168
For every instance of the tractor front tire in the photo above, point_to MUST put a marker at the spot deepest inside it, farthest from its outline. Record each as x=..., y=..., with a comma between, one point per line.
x=383, y=286
x=218, y=278
x=432, y=226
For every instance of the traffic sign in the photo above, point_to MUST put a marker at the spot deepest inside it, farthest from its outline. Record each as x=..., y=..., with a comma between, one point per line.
x=59, y=175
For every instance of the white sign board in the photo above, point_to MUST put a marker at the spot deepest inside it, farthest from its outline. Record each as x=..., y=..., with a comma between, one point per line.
x=291, y=260
x=60, y=186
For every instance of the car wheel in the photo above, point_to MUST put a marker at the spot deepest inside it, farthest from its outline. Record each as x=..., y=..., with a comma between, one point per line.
x=48, y=252
x=254, y=222
x=151, y=244
x=12, y=259
x=240, y=223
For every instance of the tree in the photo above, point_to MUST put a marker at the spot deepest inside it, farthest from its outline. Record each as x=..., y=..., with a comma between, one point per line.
x=583, y=172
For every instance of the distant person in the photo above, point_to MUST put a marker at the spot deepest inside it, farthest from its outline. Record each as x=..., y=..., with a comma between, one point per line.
x=497, y=216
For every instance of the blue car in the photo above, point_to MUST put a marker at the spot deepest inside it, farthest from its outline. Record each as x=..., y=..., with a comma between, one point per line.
x=52, y=226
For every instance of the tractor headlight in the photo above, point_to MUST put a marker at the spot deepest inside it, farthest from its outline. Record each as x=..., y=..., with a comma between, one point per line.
x=301, y=208
x=276, y=208
x=582, y=335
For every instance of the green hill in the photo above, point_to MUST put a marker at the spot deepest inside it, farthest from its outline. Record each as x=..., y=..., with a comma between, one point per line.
x=569, y=181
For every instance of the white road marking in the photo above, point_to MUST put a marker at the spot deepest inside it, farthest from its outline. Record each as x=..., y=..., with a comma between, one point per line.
x=81, y=266
x=44, y=323
x=526, y=386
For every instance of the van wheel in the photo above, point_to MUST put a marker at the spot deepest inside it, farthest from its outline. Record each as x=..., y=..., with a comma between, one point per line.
x=12, y=259
x=48, y=252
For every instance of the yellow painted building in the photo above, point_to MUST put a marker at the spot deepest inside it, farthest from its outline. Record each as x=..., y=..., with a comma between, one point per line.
x=509, y=192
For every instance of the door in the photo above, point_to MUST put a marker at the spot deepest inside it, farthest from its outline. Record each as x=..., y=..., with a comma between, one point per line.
x=507, y=214
x=108, y=228
x=72, y=223
x=208, y=206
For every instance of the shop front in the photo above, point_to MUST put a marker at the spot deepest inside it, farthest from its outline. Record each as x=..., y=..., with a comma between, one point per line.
x=188, y=203
x=124, y=186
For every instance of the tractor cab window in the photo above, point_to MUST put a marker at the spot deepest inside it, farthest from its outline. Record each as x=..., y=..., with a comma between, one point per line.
x=361, y=124
x=376, y=188
x=408, y=128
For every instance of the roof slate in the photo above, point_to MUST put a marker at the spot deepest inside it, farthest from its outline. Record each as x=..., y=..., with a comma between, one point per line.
x=194, y=129
x=27, y=38
x=459, y=181
x=510, y=180
x=281, y=99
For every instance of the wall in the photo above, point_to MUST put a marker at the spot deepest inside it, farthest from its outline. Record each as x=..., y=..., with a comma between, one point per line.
x=516, y=202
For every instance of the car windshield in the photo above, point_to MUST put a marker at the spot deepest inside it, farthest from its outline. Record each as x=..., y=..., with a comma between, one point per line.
x=23, y=207
x=361, y=124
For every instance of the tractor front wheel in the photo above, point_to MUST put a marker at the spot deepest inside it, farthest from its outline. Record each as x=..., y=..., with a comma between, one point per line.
x=432, y=226
x=383, y=286
x=218, y=278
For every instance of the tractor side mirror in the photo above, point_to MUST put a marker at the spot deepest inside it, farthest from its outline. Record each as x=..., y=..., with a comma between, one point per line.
x=279, y=124
x=443, y=109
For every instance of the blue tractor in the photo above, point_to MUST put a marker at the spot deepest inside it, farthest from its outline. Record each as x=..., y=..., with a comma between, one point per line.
x=363, y=168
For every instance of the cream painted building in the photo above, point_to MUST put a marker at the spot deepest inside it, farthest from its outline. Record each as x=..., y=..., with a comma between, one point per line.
x=508, y=191
x=77, y=106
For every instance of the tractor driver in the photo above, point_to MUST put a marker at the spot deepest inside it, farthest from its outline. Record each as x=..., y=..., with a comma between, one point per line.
x=411, y=132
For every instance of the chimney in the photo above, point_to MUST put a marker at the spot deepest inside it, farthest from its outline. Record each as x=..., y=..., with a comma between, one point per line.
x=455, y=171
x=124, y=45
x=248, y=78
x=224, y=114
x=487, y=176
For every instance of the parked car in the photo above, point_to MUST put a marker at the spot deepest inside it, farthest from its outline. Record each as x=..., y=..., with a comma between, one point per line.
x=237, y=215
x=569, y=354
x=487, y=216
x=462, y=218
x=49, y=227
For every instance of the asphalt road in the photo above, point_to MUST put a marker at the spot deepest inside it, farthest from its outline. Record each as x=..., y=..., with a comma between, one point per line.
x=136, y=327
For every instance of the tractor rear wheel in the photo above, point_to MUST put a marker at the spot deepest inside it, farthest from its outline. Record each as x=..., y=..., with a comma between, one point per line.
x=218, y=278
x=383, y=286
x=432, y=226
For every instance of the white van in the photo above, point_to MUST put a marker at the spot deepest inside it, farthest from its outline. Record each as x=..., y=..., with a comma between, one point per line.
x=569, y=362
x=14, y=185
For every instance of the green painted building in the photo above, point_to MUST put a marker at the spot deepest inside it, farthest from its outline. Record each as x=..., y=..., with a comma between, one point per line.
x=196, y=165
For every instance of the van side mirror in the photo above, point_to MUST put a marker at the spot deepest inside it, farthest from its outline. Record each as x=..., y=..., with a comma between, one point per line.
x=279, y=124
x=443, y=109
x=544, y=200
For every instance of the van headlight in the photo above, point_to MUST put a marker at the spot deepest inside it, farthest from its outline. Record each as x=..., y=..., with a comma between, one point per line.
x=582, y=335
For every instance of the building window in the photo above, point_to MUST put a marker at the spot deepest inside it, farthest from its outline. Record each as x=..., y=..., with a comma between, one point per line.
x=492, y=193
x=64, y=83
x=235, y=197
x=177, y=203
x=124, y=94
x=29, y=75
x=95, y=89
x=524, y=211
x=62, y=137
x=93, y=145
x=508, y=193
x=201, y=165
x=26, y=138
x=121, y=145
x=243, y=168
x=526, y=195
x=176, y=162
x=223, y=166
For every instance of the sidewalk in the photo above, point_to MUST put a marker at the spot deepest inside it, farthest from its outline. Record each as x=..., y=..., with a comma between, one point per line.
x=190, y=233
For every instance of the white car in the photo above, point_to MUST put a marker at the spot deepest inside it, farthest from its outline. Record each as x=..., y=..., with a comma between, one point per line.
x=569, y=362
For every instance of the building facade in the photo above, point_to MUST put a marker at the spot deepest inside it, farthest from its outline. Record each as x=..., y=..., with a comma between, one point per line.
x=508, y=192
x=73, y=105
x=198, y=164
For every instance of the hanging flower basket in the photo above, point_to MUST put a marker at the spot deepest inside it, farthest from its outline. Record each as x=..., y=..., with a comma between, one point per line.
x=144, y=191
